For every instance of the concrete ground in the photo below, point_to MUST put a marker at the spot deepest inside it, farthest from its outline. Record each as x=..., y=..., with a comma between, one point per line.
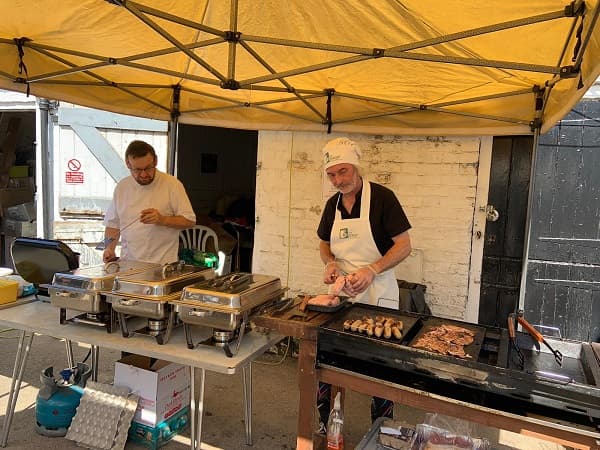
x=274, y=408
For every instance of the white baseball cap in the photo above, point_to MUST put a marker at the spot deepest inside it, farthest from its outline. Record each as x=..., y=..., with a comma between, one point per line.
x=339, y=151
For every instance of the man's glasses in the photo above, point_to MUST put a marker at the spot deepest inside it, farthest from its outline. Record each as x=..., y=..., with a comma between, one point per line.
x=148, y=170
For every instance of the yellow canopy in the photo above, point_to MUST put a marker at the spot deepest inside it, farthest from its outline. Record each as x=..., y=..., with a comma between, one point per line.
x=412, y=67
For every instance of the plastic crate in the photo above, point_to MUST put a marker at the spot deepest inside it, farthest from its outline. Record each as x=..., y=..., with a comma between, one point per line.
x=156, y=437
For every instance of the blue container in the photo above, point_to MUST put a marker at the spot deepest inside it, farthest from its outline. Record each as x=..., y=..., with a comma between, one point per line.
x=57, y=400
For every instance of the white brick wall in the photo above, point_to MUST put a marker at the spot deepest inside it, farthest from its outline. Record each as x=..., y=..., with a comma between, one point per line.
x=434, y=178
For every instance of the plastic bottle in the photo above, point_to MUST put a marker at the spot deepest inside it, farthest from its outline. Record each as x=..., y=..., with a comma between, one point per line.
x=335, y=424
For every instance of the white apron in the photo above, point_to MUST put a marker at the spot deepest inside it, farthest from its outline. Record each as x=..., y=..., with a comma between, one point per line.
x=353, y=245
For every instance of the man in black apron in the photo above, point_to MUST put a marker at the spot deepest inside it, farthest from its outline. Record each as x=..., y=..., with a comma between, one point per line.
x=363, y=232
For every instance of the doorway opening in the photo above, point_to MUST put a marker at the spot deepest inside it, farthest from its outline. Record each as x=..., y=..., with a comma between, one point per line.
x=217, y=166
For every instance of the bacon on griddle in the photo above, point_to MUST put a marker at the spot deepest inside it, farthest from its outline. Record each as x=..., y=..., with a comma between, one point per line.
x=447, y=340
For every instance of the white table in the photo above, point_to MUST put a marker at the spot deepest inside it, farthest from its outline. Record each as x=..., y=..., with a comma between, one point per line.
x=43, y=318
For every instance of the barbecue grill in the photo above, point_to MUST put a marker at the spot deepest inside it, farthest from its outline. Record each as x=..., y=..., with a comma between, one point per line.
x=489, y=374
x=80, y=290
x=225, y=304
x=147, y=294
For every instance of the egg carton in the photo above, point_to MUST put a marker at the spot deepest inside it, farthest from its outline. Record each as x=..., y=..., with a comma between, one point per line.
x=103, y=417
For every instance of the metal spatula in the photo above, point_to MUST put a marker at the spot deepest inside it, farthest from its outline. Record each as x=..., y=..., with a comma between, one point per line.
x=107, y=240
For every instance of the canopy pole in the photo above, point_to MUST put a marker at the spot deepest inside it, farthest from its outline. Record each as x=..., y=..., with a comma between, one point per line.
x=47, y=154
x=329, y=119
x=173, y=133
x=530, y=198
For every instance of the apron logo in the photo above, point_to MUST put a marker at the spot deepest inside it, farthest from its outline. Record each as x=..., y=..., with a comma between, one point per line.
x=344, y=233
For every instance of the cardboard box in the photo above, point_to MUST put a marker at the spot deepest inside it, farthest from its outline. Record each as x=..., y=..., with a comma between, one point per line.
x=11, y=197
x=8, y=291
x=163, y=387
x=156, y=437
x=19, y=228
x=24, y=212
x=18, y=172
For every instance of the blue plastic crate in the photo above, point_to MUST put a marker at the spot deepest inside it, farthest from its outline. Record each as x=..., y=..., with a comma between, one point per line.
x=156, y=437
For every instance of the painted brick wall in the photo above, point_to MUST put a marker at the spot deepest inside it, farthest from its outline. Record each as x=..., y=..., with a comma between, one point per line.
x=434, y=178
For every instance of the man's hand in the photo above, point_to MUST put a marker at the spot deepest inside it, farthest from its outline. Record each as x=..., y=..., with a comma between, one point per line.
x=109, y=255
x=359, y=281
x=151, y=216
x=332, y=271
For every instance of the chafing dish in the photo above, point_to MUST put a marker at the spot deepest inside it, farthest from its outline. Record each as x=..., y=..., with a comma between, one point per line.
x=147, y=294
x=80, y=290
x=225, y=304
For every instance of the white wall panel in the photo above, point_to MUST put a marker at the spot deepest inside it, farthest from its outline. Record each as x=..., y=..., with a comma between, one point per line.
x=434, y=178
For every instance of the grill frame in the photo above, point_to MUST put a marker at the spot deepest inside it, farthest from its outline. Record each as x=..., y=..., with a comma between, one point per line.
x=487, y=380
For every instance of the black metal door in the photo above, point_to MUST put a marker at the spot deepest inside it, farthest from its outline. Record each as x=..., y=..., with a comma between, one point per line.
x=504, y=237
x=563, y=272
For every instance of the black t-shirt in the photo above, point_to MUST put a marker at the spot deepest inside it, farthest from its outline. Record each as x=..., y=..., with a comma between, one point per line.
x=387, y=218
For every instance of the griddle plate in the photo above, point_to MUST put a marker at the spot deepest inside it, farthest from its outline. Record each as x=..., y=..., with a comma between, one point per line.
x=472, y=349
x=358, y=311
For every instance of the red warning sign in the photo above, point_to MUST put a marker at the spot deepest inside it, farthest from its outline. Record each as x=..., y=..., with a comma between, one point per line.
x=74, y=165
x=74, y=177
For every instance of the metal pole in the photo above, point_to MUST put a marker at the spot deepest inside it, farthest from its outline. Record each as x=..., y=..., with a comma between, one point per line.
x=530, y=198
x=47, y=169
x=172, y=146
x=47, y=111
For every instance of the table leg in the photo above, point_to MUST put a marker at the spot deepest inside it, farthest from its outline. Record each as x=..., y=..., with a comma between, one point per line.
x=247, y=378
x=200, y=412
x=307, y=383
x=15, y=386
x=193, y=408
x=69, y=348
x=95, y=361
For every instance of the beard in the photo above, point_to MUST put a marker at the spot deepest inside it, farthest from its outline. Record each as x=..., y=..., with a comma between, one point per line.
x=349, y=186
x=145, y=181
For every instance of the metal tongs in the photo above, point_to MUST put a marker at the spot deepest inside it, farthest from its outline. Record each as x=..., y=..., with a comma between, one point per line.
x=513, y=339
x=229, y=281
x=170, y=268
x=539, y=337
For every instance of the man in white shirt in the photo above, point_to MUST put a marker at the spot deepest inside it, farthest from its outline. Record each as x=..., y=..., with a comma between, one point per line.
x=148, y=210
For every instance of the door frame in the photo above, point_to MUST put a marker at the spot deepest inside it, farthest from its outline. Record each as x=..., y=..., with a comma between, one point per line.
x=478, y=229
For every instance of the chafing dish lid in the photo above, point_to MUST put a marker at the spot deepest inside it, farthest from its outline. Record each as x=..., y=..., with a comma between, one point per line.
x=161, y=280
x=234, y=290
x=98, y=277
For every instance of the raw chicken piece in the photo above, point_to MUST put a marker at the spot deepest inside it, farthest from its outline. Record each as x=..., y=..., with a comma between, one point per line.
x=325, y=300
x=338, y=285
